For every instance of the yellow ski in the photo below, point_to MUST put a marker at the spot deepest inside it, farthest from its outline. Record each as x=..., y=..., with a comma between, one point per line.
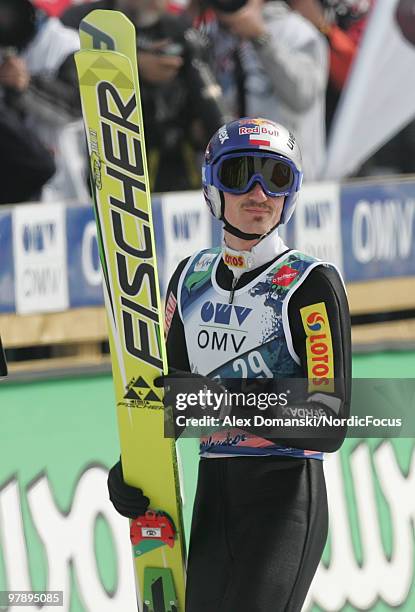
x=108, y=78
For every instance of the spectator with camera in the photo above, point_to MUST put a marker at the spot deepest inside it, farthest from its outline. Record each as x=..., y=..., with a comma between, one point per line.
x=180, y=98
x=22, y=155
x=38, y=90
x=26, y=165
x=276, y=63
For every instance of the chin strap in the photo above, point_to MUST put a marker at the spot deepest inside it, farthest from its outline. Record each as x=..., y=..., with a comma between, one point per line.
x=244, y=235
x=237, y=232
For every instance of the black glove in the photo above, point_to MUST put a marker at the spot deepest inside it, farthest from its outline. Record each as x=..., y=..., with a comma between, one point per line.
x=128, y=501
x=178, y=382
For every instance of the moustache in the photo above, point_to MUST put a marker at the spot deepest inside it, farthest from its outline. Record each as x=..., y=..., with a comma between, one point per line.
x=254, y=204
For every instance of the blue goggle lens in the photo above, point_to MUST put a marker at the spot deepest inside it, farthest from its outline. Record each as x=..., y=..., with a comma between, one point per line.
x=235, y=173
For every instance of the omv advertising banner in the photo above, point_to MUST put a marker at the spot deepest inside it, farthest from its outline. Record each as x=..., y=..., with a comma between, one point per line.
x=84, y=268
x=377, y=228
x=7, y=302
x=39, y=254
x=49, y=257
x=317, y=222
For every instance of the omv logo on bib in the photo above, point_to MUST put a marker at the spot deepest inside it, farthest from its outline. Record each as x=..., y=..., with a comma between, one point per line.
x=224, y=314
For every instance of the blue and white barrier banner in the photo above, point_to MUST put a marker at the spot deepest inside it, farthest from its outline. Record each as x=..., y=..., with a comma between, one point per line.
x=49, y=255
x=84, y=268
x=39, y=254
x=7, y=301
x=377, y=226
x=187, y=228
x=317, y=222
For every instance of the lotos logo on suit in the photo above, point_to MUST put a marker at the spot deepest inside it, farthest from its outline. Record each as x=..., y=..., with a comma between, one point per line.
x=314, y=321
x=319, y=347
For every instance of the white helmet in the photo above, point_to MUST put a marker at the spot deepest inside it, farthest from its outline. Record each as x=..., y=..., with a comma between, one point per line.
x=266, y=152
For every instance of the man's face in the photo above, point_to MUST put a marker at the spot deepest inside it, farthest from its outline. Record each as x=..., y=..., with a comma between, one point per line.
x=253, y=212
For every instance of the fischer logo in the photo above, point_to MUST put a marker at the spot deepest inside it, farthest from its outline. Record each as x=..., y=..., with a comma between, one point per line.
x=134, y=257
x=284, y=276
x=319, y=347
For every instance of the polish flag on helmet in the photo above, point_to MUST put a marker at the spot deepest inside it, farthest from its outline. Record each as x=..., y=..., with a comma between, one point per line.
x=257, y=140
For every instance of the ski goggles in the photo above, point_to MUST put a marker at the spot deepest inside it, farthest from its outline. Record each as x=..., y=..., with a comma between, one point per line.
x=238, y=172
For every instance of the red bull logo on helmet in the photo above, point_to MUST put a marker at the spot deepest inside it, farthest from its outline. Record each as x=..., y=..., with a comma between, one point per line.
x=249, y=130
x=263, y=130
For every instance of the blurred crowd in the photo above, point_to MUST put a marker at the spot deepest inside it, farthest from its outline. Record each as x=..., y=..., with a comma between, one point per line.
x=200, y=64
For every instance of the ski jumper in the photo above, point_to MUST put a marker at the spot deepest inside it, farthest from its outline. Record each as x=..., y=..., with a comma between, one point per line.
x=260, y=516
